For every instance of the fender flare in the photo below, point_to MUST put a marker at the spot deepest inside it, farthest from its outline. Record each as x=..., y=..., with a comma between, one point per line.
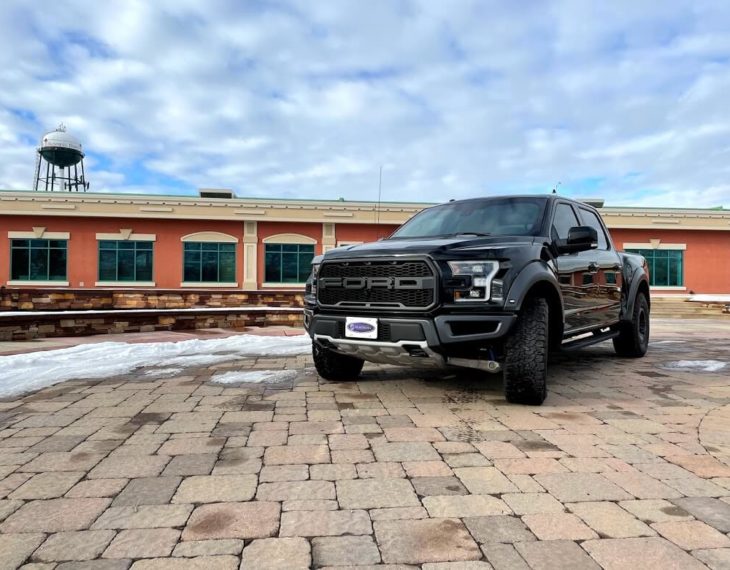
x=533, y=273
x=637, y=278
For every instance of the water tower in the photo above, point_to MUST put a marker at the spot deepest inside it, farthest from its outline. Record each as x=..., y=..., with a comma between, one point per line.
x=57, y=163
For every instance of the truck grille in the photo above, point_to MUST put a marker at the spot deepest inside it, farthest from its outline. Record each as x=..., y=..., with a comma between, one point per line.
x=377, y=284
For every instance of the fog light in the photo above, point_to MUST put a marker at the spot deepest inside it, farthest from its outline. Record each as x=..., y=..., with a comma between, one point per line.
x=497, y=290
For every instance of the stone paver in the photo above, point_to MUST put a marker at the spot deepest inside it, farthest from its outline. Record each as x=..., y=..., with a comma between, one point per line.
x=55, y=515
x=147, y=491
x=655, y=510
x=143, y=543
x=426, y=486
x=129, y=466
x=277, y=553
x=714, y=512
x=558, y=526
x=194, y=464
x=502, y=529
x=97, y=488
x=195, y=548
x=626, y=465
x=465, y=506
x=289, y=491
x=532, y=503
x=325, y=523
x=344, y=551
x=296, y=454
x=629, y=553
x=16, y=548
x=376, y=493
x=233, y=520
x=47, y=485
x=715, y=558
x=555, y=555
x=75, y=545
x=405, y=451
x=216, y=489
x=573, y=487
x=430, y=540
x=692, y=535
x=144, y=516
x=610, y=521
x=199, y=563
x=484, y=480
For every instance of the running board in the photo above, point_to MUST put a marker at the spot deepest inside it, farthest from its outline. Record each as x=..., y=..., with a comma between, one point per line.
x=589, y=340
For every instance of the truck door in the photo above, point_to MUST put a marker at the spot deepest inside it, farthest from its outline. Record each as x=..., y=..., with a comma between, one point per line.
x=607, y=276
x=574, y=276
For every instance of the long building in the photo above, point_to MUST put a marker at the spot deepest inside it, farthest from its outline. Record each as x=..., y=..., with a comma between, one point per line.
x=221, y=242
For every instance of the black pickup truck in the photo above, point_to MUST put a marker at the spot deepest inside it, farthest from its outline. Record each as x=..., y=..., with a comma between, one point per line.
x=488, y=283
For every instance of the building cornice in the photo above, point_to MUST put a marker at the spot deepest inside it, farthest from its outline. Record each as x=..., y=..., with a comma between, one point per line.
x=102, y=205
x=71, y=204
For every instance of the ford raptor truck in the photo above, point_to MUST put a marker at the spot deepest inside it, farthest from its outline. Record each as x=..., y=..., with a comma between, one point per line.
x=488, y=283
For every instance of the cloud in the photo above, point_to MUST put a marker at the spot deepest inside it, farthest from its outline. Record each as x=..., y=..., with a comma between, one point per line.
x=623, y=100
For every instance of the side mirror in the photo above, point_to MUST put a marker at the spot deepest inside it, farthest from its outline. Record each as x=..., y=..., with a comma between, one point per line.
x=580, y=238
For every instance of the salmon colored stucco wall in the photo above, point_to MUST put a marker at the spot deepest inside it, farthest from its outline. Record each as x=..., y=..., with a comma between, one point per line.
x=83, y=248
x=706, y=259
x=363, y=232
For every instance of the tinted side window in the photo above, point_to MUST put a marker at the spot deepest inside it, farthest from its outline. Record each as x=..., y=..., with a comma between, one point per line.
x=591, y=219
x=563, y=219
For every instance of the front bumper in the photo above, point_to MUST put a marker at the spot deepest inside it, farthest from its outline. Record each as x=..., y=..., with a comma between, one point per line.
x=409, y=341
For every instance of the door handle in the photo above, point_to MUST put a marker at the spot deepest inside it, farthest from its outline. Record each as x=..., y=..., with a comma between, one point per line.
x=593, y=267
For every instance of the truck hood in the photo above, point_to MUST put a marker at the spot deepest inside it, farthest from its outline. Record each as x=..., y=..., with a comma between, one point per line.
x=436, y=247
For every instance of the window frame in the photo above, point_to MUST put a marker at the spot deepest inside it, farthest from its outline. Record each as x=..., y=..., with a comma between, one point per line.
x=202, y=245
x=650, y=254
x=28, y=275
x=554, y=214
x=601, y=230
x=135, y=250
x=307, y=265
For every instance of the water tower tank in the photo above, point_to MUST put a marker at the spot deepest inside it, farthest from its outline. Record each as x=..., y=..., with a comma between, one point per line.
x=61, y=148
x=59, y=159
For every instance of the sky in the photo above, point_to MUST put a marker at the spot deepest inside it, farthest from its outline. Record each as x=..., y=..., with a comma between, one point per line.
x=624, y=100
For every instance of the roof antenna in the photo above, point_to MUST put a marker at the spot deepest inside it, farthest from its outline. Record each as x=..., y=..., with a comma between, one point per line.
x=380, y=191
x=555, y=190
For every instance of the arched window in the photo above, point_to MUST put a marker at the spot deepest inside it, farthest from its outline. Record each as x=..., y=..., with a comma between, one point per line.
x=209, y=257
x=288, y=258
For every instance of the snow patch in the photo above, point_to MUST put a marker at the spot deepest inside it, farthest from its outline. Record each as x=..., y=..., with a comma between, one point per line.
x=255, y=376
x=32, y=371
x=703, y=365
x=162, y=372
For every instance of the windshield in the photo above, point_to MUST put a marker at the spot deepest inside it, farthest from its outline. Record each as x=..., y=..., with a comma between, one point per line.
x=491, y=216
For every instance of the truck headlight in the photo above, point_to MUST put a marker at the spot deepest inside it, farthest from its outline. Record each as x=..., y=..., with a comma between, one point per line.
x=315, y=274
x=479, y=276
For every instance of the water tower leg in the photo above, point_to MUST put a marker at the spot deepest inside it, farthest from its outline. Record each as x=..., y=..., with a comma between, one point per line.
x=37, y=171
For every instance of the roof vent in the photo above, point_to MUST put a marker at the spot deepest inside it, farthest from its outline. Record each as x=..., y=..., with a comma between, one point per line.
x=222, y=193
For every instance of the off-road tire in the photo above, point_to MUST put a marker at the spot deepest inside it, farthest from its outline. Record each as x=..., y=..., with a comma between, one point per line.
x=526, y=355
x=633, y=338
x=336, y=367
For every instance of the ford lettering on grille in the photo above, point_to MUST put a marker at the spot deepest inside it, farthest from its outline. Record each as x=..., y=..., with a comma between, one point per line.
x=408, y=284
x=375, y=282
